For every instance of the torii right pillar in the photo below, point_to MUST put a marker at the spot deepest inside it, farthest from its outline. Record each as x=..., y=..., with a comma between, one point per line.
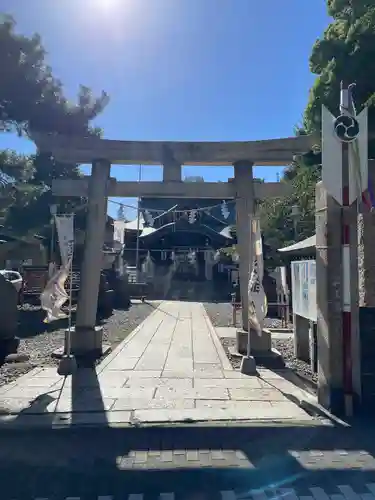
x=366, y=285
x=329, y=306
x=329, y=301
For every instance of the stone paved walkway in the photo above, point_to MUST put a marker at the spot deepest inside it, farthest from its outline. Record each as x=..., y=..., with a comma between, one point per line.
x=172, y=368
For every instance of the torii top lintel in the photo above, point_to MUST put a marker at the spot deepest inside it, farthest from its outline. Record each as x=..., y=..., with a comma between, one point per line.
x=271, y=152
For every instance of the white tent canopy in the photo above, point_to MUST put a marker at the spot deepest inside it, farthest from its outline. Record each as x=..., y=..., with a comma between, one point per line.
x=308, y=243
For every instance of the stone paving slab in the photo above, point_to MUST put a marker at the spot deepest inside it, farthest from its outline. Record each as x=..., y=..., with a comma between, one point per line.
x=290, y=412
x=229, y=383
x=172, y=368
x=154, y=404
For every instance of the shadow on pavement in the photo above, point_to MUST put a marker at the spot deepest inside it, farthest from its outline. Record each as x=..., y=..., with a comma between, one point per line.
x=86, y=396
x=107, y=461
x=74, y=401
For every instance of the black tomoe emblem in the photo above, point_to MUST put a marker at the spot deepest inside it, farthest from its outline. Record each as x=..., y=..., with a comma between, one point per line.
x=346, y=128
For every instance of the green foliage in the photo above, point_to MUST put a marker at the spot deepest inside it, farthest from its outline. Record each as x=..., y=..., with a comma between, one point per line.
x=32, y=99
x=346, y=52
x=16, y=171
x=278, y=226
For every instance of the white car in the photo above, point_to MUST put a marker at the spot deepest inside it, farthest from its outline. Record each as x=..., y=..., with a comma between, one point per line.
x=14, y=277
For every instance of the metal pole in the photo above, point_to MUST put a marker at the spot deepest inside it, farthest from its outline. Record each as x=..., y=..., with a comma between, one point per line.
x=51, y=267
x=53, y=211
x=295, y=215
x=137, y=244
x=251, y=265
x=287, y=309
x=68, y=364
x=69, y=334
x=52, y=240
x=346, y=274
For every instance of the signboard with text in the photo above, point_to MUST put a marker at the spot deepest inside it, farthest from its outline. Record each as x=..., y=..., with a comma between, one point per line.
x=304, y=289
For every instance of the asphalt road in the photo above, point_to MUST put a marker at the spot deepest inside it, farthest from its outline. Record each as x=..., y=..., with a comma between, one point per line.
x=222, y=463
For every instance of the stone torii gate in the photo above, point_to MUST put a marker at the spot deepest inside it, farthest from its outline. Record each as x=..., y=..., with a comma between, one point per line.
x=102, y=153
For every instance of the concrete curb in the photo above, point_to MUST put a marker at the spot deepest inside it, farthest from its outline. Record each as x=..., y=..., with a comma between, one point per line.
x=310, y=405
x=219, y=348
x=314, y=408
x=309, y=402
x=18, y=426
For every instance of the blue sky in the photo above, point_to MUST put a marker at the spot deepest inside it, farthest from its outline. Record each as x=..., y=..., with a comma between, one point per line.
x=181, y=69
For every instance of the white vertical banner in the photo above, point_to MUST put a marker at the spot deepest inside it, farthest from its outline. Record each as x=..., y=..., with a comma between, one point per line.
x=65, y=235
x=284, y=281
x=257, y=296
x=54, y=295
x=119, y=231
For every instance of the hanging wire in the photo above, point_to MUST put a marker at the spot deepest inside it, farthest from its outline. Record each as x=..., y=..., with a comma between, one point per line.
x=162, y=210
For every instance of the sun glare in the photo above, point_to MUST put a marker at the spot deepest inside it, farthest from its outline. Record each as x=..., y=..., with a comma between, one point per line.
x=108, y=4
x=114, y=15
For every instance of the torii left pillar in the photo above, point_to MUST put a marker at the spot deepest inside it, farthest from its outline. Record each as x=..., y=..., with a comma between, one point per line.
x=243, y=178
x=87, y=337
x=260, y=345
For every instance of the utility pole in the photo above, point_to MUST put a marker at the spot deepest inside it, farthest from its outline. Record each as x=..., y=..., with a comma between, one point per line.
x=295, y=213
x=138, y=228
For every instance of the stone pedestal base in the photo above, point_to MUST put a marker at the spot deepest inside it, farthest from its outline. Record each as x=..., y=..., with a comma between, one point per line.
x=260, y=348
x=248, y=366
x=67, y=366
x=85, y=342
x=257, y=342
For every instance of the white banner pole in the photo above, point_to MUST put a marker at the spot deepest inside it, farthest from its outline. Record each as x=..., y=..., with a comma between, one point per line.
x=69, y=338
x=65, y=231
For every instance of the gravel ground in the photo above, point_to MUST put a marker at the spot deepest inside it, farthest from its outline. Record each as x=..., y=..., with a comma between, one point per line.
x=286, y=348
x=221, y=316
x=39, y=340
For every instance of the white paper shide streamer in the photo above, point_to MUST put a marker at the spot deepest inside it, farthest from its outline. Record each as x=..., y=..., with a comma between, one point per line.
x=54, y=295
x=224, y=210
x=119, y=231
x=257, y=296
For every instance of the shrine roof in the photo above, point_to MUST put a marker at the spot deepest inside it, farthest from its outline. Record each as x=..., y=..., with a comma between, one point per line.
x=133, y=225
x=197, y=227
x=306, y=246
